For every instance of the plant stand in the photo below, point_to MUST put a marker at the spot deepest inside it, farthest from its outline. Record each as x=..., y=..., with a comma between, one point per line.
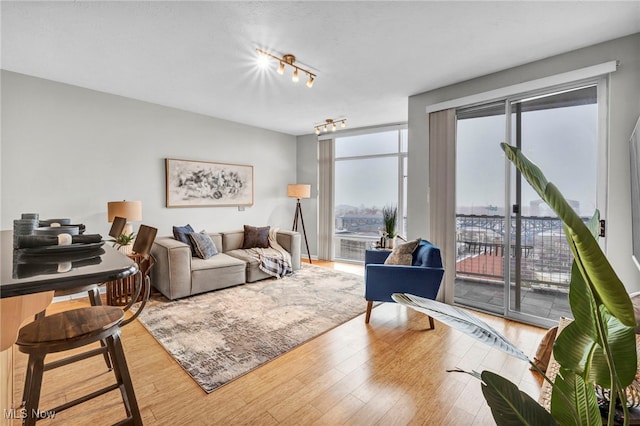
x=121, y=291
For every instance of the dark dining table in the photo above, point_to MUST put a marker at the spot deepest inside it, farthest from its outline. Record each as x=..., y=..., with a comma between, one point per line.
x=29, y=277
x=36, y=270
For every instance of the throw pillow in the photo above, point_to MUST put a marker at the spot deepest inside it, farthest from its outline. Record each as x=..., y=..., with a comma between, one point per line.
x=543, y=353
x=255, y=237
x=402, y=254
x=181, y=233
x=203, y=244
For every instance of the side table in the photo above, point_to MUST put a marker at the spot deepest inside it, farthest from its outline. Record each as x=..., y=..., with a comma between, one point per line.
x=121, y=291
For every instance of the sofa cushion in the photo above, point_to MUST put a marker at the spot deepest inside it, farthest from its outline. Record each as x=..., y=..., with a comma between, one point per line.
x=221, y=260
x=256, y=237
x=202, y=245
x=254, y=273
x=402, y=254
x=181, y=233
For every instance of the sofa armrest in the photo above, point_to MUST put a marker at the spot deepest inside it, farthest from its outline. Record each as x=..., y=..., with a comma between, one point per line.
x=172, y=272
x=376, y=256
x=290, y=241
x=381, y=281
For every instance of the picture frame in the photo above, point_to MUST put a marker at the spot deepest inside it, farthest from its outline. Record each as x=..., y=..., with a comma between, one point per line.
x=191, y=183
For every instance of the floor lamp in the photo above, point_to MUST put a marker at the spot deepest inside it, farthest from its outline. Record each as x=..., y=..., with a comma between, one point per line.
x=299, y=191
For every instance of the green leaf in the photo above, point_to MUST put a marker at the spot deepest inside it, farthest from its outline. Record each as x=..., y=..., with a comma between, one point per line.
x=622, y=343
x=584, y=410
x=580, y=353
x=461, y=321
x=594, y=266
x=582, y=304
x=509, y=405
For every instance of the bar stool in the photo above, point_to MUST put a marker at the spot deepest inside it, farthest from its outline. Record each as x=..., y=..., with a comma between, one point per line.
x=69, y=330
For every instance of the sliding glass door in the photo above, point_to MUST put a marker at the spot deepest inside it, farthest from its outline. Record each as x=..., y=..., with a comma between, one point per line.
x=480, y=208
x=512, y=255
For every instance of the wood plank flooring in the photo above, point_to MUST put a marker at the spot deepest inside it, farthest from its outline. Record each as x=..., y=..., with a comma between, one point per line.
x=389, y=372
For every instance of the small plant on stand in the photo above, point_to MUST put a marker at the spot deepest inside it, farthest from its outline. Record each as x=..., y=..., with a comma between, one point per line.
x=390, y=218
x=123, y=242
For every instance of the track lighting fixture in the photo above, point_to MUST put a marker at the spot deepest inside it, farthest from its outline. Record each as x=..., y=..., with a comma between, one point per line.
x=289, y=59
x=330, y=123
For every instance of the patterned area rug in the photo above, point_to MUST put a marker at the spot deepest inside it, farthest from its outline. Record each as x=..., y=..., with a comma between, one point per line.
x=219, y=336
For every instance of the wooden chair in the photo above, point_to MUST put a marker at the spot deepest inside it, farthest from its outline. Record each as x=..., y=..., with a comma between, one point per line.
x=69, y=330
x=127, y=291
x=79, y=327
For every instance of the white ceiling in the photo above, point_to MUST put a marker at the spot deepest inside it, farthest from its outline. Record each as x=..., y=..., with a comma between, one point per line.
x=368, y=56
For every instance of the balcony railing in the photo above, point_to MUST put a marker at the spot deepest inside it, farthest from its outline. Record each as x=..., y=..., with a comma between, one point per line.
x=352, y=246
x=544, y=255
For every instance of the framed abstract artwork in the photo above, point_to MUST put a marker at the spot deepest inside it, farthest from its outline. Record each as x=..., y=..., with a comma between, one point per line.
x=203, y=183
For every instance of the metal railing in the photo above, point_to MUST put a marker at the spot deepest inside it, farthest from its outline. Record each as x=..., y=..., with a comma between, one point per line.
x=545, y=257
x=352, y=246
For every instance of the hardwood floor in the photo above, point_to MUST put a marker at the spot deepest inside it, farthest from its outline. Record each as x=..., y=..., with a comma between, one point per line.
x=390, y=371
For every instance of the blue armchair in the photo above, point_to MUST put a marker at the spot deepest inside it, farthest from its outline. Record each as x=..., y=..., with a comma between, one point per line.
x=422, y=278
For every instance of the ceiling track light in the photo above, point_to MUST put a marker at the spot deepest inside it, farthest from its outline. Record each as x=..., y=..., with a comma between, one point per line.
x=330, y=124
x=289, y=59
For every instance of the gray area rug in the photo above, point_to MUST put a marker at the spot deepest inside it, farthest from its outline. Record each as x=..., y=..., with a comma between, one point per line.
x=219, y=336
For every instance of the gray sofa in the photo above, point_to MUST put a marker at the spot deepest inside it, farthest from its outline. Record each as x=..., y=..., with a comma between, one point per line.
x=178, y=274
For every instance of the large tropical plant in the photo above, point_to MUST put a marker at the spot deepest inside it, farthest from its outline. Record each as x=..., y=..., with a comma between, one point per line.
x=597, y=347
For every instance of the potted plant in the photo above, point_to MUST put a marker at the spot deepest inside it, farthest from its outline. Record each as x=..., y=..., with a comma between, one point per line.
x=597, y=348
x=123, y=243
x=390, y=218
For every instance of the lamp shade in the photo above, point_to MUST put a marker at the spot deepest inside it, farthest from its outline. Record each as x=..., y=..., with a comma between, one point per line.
x=299, y=190
x=130, y=210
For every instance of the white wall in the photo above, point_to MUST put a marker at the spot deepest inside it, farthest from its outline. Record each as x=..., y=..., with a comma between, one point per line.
x=624, y=109
x=66, y=151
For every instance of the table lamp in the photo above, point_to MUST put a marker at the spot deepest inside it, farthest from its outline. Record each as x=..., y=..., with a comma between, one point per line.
x=298, y=191
x=130, y=210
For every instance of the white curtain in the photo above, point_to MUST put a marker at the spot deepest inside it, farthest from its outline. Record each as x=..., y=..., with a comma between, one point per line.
x=326, y=202
x=442, y=194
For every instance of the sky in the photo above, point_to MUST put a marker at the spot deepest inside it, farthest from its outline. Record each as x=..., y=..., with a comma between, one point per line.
x=561, y=141
x=371, y=181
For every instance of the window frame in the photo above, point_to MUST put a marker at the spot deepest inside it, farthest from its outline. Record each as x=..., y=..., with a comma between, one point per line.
x=402, y=162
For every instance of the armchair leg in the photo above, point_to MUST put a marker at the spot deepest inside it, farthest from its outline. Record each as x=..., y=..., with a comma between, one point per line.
x=431, y=323
x=368, y=315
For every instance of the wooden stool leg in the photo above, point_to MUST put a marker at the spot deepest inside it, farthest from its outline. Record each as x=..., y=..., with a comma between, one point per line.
x=121, y=372
x=95, y=300
x=36, y=368
x=94, y=297
x=27, y=383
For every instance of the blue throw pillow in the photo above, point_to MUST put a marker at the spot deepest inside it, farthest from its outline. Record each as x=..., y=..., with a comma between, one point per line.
x=203, y=245
x=181, y=233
